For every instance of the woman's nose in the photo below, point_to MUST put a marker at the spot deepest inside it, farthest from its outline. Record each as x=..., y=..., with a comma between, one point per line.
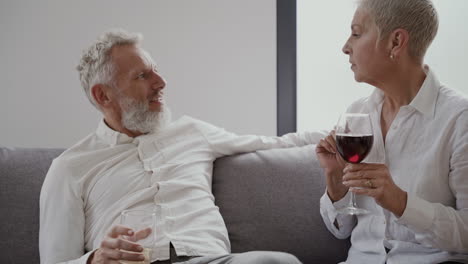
x=346, y=49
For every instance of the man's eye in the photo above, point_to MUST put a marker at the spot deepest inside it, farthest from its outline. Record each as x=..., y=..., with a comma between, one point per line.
x=141, y=76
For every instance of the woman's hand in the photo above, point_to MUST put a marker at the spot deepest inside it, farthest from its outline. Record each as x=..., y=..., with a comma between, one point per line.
x=333, y=165
x=376, y=182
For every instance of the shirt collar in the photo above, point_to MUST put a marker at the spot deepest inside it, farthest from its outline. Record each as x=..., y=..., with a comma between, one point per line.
x=376, y=97
x=425, y=99
x=111, y=136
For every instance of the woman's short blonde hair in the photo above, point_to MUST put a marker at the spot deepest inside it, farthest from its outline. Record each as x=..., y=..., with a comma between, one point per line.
x=418, y=17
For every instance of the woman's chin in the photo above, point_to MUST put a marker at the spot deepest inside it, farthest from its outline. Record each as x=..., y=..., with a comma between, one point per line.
x=357, y=78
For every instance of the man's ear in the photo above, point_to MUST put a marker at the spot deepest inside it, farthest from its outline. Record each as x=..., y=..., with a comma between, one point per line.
x=398, y=42
x=101, y=95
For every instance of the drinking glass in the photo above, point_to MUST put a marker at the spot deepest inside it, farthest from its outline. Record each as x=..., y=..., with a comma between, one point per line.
x=354, y=139
x=139, y=220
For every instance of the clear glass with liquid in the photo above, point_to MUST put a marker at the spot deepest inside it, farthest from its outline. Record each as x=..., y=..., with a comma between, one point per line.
x=141, y=222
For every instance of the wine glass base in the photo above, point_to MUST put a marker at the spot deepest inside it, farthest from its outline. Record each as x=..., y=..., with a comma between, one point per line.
x=352, y=211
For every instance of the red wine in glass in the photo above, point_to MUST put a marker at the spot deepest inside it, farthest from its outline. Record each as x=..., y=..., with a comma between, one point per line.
x=354, y=148
x=354, y=139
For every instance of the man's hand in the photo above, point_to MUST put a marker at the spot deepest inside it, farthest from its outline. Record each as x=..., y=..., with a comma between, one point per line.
x=119, y=245
x=376, y=182
x=333, y=165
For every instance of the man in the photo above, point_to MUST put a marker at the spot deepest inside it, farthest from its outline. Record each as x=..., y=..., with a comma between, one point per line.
x=138, y=158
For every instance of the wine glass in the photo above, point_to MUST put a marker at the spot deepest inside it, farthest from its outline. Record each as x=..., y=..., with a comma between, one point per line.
x=354, y=139
x=141, y=222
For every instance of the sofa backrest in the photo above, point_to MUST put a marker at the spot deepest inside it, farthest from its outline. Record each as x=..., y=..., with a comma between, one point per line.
x=268, y=199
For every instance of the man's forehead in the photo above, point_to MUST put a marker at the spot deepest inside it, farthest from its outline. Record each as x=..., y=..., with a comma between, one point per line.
x=129, y=58
x=147, y=57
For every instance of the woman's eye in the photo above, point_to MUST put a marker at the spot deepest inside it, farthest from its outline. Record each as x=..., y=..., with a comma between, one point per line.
x=355, y=35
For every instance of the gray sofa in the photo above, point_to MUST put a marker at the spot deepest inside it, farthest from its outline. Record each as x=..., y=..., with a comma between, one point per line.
x=268, y=199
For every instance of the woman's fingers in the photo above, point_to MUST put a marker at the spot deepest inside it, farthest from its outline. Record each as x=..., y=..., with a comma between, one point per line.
x=353, y=167
x=327, y=143
x=330, y=139
x=358, y=175
x=366, y=183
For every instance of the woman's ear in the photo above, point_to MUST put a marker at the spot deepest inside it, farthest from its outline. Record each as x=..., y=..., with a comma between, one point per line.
x=100, y=93
x=398, y=41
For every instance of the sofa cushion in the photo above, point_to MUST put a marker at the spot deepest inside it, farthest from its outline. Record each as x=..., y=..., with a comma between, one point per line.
x=270, y=201
x=22, y=172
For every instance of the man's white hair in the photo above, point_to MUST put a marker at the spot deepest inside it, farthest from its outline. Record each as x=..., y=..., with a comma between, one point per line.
x=96, y=66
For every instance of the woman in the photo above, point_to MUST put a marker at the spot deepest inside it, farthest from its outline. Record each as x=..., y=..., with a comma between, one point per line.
x=415, y=179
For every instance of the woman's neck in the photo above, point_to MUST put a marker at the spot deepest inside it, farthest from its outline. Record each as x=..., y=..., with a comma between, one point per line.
x=399, y=90
x=402, y=87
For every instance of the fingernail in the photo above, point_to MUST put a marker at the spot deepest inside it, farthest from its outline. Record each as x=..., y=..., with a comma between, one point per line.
x=130, y=232
x=139, y=248
x=141, y=257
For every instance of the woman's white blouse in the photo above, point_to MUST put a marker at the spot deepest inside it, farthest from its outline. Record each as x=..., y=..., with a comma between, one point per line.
x=426, y=151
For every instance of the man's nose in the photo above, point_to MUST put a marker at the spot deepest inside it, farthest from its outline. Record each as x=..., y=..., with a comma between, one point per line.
x=158, y=81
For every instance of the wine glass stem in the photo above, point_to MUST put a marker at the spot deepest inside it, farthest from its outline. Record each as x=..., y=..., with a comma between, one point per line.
x=352, y=201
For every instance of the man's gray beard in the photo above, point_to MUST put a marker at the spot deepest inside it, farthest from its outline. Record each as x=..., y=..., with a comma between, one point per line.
x=137, y=117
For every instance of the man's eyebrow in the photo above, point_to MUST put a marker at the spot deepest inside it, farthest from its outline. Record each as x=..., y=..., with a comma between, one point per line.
x=132, y=71
x=136, y=71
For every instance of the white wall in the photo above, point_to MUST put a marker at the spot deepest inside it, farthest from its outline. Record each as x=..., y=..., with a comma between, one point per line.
x=326, y=86
x=218, y=56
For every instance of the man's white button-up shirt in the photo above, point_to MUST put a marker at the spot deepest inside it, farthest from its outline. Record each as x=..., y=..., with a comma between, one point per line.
x=90, y=184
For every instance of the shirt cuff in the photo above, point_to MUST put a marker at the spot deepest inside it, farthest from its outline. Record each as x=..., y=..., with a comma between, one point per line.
x=418, y=215
x=332, y=207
